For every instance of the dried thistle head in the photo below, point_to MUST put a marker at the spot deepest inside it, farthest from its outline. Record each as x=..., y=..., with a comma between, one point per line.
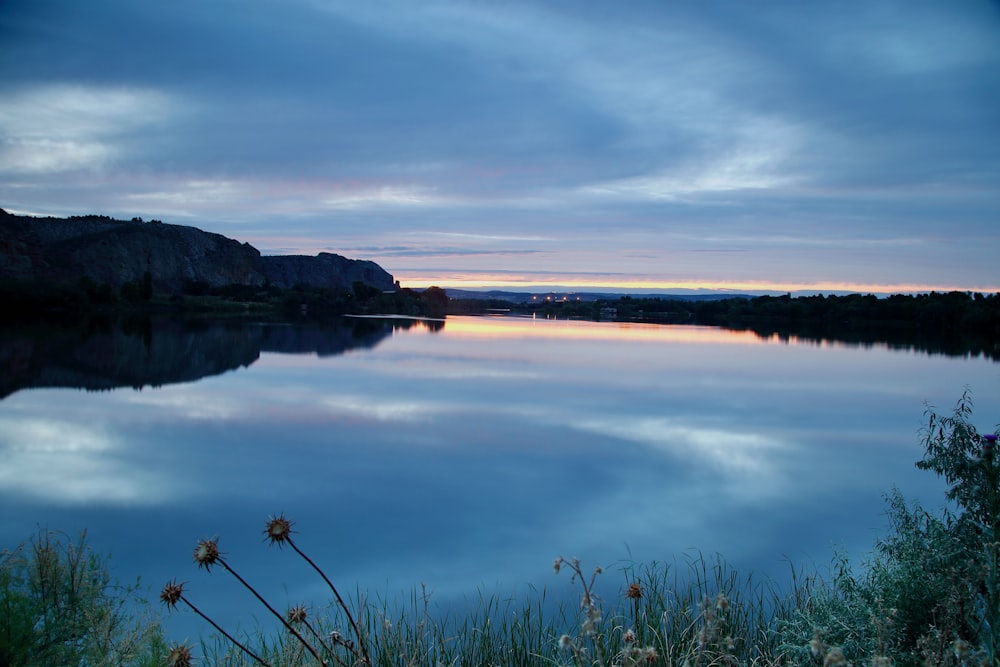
x=206, y=554
x=171, y=593
x=297, y=615
x=628, y=637
x=179, y=656
x=278, y=530
x=634, y=591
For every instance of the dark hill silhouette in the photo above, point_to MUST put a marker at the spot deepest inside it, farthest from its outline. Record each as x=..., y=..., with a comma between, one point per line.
x=114, y=252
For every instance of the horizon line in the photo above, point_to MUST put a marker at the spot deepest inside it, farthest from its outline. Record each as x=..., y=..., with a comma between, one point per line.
x=472, y=284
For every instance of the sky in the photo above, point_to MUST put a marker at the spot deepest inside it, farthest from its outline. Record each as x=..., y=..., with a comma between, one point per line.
x=642, y=145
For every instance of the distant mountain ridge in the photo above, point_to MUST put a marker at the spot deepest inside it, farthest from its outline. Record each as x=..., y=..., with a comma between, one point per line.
x=115, y=252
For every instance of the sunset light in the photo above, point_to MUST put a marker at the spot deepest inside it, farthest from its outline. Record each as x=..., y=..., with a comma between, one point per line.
x=544, y=284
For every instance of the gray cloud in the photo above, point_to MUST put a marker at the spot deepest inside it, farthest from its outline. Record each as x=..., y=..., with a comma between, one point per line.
x=768, y=130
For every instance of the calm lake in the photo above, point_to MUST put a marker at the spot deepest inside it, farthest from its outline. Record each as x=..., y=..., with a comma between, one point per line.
x=464, y=455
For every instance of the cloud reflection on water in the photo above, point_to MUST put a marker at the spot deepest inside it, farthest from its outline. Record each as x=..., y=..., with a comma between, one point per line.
x=68, y=463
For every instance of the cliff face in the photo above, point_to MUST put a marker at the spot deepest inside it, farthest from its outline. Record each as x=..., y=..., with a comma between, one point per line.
x=114, y=252
x=325, y=269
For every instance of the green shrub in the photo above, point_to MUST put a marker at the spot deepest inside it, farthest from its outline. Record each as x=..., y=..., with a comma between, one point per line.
x=58, y=606
x=928, y=593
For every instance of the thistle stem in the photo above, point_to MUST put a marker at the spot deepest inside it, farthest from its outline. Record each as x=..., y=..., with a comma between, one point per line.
x=224, y=633
x=264, y=602
x=340, y=600
x=323, y=643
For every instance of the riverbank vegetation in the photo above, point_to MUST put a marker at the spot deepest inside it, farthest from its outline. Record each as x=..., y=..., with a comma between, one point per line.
x=973, y=311
x=927, y=594
x=42, y=299
x=953, y=323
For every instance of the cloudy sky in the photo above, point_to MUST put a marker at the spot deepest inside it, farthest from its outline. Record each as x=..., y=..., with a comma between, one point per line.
x=817, y=146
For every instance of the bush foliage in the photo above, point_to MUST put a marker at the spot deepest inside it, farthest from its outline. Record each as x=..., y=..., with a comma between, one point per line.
x=59, y=606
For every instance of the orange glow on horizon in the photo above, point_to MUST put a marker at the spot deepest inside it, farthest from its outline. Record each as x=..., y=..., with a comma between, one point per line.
x=529, y=284
x=527, y=327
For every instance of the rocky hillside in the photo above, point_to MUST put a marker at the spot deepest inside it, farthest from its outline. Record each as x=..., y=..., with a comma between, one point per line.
x=114, y=252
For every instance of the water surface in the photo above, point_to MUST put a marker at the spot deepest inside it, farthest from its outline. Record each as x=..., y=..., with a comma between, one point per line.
x=464, y=456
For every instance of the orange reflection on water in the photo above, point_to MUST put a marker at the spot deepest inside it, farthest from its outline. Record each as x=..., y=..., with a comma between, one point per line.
x=527, y=327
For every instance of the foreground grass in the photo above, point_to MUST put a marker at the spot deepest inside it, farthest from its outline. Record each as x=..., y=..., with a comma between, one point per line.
x=698, y=612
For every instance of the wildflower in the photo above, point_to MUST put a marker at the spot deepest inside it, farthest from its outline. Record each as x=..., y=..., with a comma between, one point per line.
x=990, y=438
x=565, y=642
x=651, y=655
x=297, y=615
x=206, y=554
x=634, y=591
x=557, y=564
x=279, y=529
x=628, y=637
x=721, y=602
x=179, y=656
x=835, y=658
x=171, y=593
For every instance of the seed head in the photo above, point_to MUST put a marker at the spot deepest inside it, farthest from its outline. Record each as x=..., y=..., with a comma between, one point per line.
x=721, y=602
x=179, y=656
x=557, y=564
x=634, y=591
x=816, y=646
x=651, y=655
x=628, y=637
x=206, y=554
x=835, y=658
x=171, y=593
x=297, y=615
x=278, y=530
x=565, y=642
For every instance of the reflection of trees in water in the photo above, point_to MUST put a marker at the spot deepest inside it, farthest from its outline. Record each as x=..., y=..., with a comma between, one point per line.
x=139, y=351
x=952, y=343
